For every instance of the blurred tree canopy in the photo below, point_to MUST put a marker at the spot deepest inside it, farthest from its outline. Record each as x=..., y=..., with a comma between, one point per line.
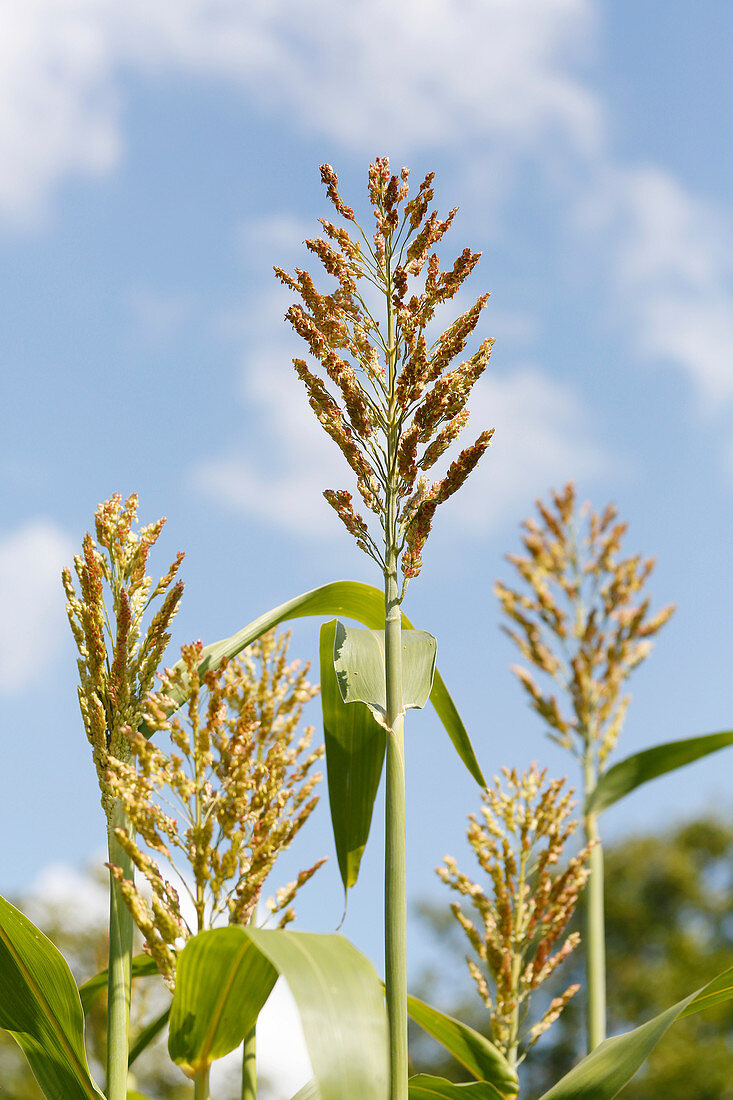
x=669, y=929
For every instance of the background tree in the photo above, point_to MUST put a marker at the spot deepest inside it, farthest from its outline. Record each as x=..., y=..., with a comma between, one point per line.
x=669, y=928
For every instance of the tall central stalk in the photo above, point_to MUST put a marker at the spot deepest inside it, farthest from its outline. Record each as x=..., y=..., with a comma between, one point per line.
x=119, y=982
x=595, y=942
x=395, y=877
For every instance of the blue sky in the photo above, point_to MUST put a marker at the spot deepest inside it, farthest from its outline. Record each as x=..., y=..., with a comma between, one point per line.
x=157, y=158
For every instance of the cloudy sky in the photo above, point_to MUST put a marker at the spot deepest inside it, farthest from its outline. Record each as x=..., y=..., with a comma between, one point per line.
x=157, y=158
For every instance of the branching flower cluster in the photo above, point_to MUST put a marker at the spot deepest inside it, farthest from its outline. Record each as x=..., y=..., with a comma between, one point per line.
x=117, y=664
x=231, y=795
x=390, y=401
x=518, y=844
x=580, y=620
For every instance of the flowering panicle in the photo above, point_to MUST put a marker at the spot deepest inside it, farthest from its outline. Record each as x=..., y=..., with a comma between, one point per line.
x=518, y=844
x=580, y=619
x=238, y=783
x=395, y=408
x=117, y=664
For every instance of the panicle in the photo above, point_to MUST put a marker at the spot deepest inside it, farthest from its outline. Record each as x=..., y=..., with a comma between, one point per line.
x=240, y=780
x=580, y=617
x=384, y=390
x=117, y=661
x=517, y=938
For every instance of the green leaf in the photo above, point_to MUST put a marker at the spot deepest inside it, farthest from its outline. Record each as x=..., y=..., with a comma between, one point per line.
x=353, y=600
x=425, y=1087
x=355, y=746
x=358, y=657
x=142, y=967
x=222, y=982
x=147, y=1035
x=40, y=1007
x=606, y=1070
x=479, y=1056
x=630, y=773
x=225, y=976
x=308, y=1092
x=133, y=1095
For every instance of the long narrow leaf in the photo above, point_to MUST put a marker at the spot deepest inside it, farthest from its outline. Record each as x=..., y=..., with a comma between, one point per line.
x=225, y=976
x=605, y=1071
x=353, y=600
x=425, y=1087
x=355, y=746
x=41, y=1009
x=308, y=1092
x=479, y=1056
x=142, y=967
x=147, y=1035
x=630, y=773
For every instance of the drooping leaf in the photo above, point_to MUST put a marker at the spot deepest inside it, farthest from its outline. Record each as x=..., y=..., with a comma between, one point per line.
x=425, y=1087
x=605, y=1071
x=142, y=967
x=358, y=657
x=355, y=747
x=41, y=1009
x=479, y=1056
x=353, y=600
x=148, y=1033
x=630, y=773
x=222, y=983
x=221, y=988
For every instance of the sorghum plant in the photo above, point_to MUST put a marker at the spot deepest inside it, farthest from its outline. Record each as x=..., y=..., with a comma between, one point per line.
x=581, y=620
x=117, y=666
x=394, y=407
x=518, y=843
x=239, y=783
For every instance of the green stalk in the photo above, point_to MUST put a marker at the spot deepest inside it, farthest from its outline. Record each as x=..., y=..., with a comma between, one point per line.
x=595, y=936
x=249, y=1051
x=120, y=956
x=395, y=871
x=201, y=1084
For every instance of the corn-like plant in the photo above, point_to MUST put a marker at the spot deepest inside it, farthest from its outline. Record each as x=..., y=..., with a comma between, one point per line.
x=518, y=842
x=393, y=404
x=117, y=666
x=580, y=619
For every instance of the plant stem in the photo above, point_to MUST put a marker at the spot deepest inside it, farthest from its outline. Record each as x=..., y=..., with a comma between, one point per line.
x=201, y=1084
x=395, y=864
x=119, y=973
x=249, y=1066
x=595, y=937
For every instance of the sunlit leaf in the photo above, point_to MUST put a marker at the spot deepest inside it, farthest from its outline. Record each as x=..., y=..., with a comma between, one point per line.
x=353, y=600
x=425, y=1087
x=479, y=1056
x=606, y=1070
x=630, y=773
x=355, y=746
x=40, y=1007
x=225, y=976
x=358, y=657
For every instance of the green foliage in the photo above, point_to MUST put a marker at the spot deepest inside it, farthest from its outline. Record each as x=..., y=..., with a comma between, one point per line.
x=355, y=746
x=478, y=1054
x=358, y=657
x=669, y=929
x=40, y=1007
x=628, y=774
x=225, y=975
x=426, y=1087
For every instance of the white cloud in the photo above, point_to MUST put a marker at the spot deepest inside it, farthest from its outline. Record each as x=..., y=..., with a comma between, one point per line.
x=368, y=74
x=32, y=619
x=542, y=439
x=671, y=260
